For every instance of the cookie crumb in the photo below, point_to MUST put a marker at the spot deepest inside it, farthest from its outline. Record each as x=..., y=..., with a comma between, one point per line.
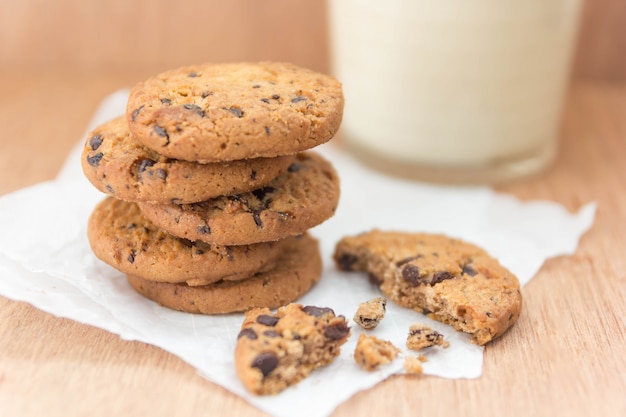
x=413, y=364
x=422, y=336
x=371, y=312
x=371, y=352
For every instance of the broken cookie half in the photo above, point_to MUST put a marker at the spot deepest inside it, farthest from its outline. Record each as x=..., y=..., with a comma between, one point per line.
x=276, y=350
x=447, y=279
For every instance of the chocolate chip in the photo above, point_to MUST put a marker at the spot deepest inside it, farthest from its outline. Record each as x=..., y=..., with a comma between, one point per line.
x=161, y=173
x=271, y=333
x=162, y=132
x=441, y=276
x=407, y=260
x=166, y=101
x=256, y=86
x=317, y=311
x=262, y=193
x=136, y=112
x=414, y=332
x=267, y=130
x=247, y=332
x=204, y=230
x=468, y=270
x=267, y=320
x=192, y=75
x=256, y=216
x=266, y=362
x=253, y=175
x=275, y=96
x=194, y=108
x=199, y=252
x=374, y=279
x=411, y=273
x=236, y=111
x=295, y=167
x=434, y=337
x=95, y=142
x=131, y=257
x=265, y=100
x=346, y=261
x=297, y=99
x=186, y=242
x=143, y=165
x=94, y=160
x=336, y=331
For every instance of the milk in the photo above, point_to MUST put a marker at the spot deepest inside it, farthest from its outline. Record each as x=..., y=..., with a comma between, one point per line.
x=453, y=83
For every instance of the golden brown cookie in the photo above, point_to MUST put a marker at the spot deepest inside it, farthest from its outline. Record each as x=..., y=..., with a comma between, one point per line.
x=296, y=271
x=301, y=198
x=276, y=350
x=120, y=236
x=231, y=111
x=119, y=165
x=449, y=280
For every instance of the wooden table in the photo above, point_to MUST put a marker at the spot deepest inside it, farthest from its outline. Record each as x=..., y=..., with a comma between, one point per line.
x=566, y=356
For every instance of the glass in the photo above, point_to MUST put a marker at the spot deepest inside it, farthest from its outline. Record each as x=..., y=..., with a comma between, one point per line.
x=453, y=90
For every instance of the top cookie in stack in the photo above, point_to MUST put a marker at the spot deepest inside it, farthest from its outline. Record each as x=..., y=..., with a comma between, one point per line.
x=213, y=185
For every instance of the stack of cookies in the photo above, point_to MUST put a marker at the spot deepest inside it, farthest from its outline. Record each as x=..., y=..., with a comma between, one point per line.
x=212, y=185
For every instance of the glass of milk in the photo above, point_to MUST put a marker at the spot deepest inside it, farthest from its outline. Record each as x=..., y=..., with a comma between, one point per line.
x=463, y=91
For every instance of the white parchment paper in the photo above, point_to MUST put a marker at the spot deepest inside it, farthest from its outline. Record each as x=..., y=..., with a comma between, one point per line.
x=45, y=260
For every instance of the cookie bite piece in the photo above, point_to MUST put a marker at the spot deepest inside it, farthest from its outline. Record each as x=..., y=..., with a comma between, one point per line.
x=413, y=364
x=450, y=280
x=218, y=112
x=372, y=352
x=422, y=336
x=370, y=313
x=277, y=350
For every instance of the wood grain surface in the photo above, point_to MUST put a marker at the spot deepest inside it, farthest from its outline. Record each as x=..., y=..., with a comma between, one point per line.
x=566, y=356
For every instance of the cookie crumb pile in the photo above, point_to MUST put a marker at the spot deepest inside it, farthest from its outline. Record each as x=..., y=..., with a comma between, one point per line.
x=212, y=184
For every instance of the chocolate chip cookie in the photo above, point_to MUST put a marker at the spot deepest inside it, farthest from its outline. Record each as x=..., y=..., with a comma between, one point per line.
x=299, y=199
x=122, y=237
x=119, y=165
x=295, y=272
x=448, y=279
x=231, y=111
x=276, y=350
